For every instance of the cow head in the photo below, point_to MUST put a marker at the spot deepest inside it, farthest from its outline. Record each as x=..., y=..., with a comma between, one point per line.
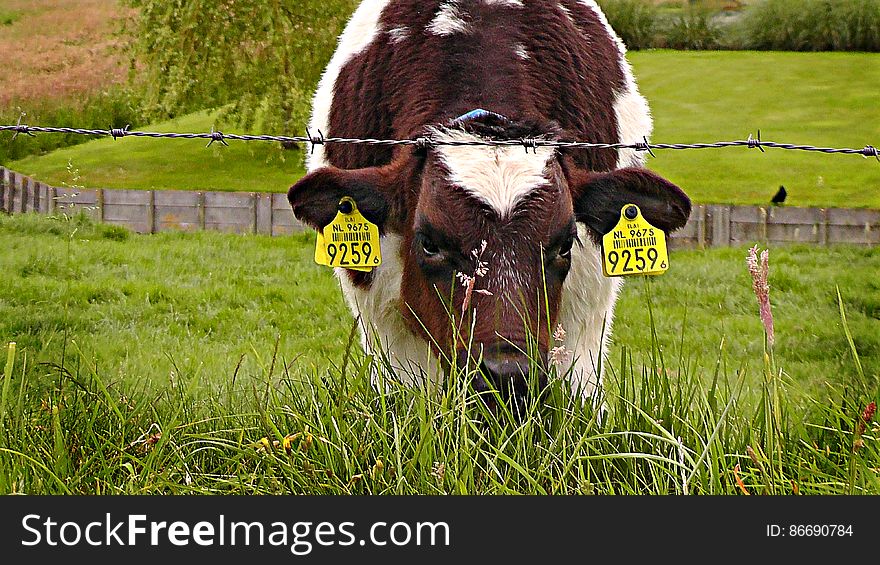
x=488, y=234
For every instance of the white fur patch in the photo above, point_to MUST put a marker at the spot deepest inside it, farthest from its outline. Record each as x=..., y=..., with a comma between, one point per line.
x=592, y=5
x=633, y=124
x=360, y=31
x=633, y=115
x=520, y=51
x=586, y=312
x=383, y=330
x=398, y=34
x=448, y=20
x=499, y=176
x=510, y=3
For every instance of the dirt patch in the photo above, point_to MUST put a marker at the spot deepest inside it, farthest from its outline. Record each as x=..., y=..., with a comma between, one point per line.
x=59, y=50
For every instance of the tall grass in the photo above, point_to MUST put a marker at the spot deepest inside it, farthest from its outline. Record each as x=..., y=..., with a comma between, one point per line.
x=782, y=25
x=268, y=430
x=812, y=25
x=685, y=423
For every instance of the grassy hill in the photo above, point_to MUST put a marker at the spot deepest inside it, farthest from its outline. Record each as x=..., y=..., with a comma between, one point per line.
x=822, y=99
x=183, y=164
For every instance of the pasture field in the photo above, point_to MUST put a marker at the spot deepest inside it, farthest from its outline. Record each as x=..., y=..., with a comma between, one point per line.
x=78, y=58
x=821, y=99
x=213, y=363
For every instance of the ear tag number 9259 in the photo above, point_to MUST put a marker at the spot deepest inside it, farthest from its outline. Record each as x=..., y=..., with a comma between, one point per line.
x=634, y=247
x=349, y=241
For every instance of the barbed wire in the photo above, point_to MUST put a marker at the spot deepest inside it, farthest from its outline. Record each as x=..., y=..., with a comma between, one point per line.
x=528, y=143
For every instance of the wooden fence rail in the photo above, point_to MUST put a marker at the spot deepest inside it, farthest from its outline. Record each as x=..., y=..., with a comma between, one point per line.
x=151, y=211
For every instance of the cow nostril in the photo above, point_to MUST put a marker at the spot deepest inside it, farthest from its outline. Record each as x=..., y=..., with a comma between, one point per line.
x=507, y=375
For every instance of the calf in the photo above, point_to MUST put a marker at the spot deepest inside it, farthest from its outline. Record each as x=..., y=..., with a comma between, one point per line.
x=520, y=227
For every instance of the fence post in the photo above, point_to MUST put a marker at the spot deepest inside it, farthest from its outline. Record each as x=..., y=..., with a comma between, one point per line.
x=3, y=189
x=32, y=196
x=151, y=212
x=25, y=194
x=255, y=202
x=701, y=227
x=264, y=213
x=43, y=193
x=720, y=226
x=36, y=202
x=51, y=199
x=201, y=210
x=99, y=202
x=823, y=226
x=13, y=188
x=763, y=229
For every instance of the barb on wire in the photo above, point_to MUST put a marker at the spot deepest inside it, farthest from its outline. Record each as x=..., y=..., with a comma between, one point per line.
x=756, y=142
x=117, y=132
x=217, y=136
x=315, y=140
x=645, y=146
x=21, y=128
x=530, y=143
x=427, y=142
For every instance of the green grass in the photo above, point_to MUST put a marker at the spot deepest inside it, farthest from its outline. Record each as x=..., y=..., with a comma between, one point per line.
x=822, y=99
x=220, y=340
x=181, y=164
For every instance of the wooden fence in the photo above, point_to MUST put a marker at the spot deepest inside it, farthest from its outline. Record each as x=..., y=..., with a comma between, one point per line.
x=151, y=211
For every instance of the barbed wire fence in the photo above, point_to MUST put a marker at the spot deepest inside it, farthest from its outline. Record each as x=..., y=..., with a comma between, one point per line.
x=529, y=143
x=158, y=210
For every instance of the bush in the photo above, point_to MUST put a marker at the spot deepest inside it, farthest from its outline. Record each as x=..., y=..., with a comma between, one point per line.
x=261, y=61
x=694, y=29
x=116, y=108
x=812, y=25
x=635, y=21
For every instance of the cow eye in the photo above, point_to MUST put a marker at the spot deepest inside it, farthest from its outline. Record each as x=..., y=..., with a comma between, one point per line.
x=429, y=248
x=565, y=250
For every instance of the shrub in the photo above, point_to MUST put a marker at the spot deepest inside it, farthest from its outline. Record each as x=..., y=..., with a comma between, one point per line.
x=812, y=25
x=694, y=29
x=635, y=21
x=110, y=109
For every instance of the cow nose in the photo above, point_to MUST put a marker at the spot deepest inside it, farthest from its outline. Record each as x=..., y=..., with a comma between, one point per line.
x=508, y=374
x=506, y=371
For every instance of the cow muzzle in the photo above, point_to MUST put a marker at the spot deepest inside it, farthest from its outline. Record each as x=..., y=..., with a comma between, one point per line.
x=505, y=373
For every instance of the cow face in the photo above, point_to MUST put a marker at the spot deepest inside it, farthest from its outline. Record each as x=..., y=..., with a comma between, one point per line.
x=488, y=235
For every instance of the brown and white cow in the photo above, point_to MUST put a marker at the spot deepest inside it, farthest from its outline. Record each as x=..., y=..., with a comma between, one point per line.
x=551, y=69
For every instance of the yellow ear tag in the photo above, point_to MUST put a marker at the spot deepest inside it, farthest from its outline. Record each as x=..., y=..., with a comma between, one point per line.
x=349, y=241
x=634, y=247
x=321, y=257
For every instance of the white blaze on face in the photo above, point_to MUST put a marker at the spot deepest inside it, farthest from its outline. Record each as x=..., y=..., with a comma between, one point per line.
x=498, y=176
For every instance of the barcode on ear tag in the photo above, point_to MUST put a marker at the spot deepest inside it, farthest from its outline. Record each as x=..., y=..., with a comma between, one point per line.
x=634, y=247
x=350, y=240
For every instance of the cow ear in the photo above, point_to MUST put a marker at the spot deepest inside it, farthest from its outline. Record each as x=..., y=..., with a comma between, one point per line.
x=315, y=198
x=599, y=197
